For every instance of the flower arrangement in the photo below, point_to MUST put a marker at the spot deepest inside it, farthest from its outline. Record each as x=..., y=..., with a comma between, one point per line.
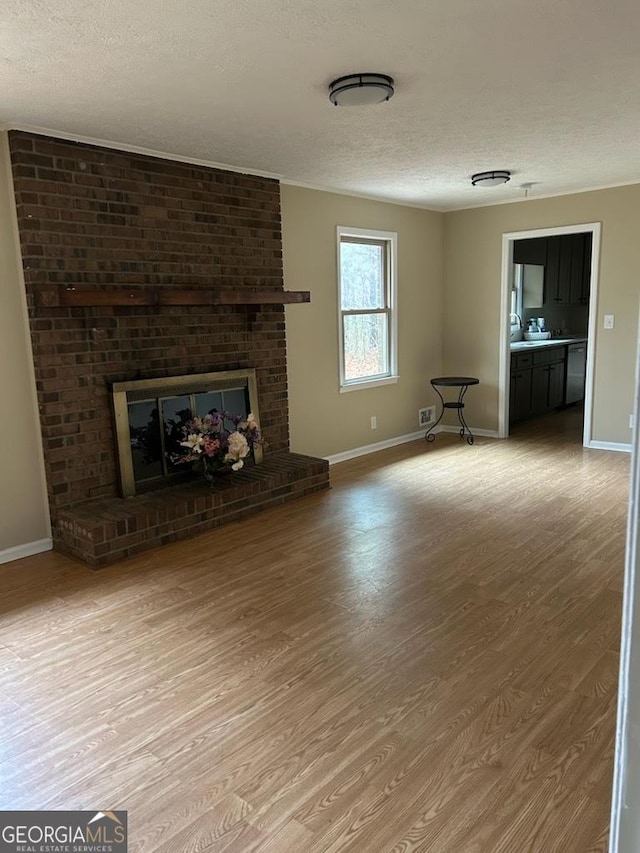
x=218, y=442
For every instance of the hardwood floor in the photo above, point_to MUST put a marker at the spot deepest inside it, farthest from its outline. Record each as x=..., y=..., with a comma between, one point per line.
x=423, y=659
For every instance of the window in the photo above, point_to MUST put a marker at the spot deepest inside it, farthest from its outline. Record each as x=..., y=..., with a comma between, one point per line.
x=516, y=291
x=528, y=287
x=367, y=300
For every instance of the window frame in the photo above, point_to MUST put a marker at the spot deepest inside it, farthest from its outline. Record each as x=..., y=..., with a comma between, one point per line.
x=390, y=240
x=518, y=270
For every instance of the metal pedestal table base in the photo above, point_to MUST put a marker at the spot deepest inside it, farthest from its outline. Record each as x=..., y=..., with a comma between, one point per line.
x=462, y=383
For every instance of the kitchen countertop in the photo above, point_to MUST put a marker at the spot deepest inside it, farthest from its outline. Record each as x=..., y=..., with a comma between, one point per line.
x=520, y=346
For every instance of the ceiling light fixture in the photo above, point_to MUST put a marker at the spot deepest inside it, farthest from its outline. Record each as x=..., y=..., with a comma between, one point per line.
x=356, y=90
x=491, y=179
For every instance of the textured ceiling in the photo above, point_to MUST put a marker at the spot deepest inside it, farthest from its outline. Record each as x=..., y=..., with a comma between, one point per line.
x=548, y=89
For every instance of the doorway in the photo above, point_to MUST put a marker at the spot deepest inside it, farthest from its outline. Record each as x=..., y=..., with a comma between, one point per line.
x=508, y=241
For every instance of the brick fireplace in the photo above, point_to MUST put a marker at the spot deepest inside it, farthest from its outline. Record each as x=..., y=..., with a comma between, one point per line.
x=98, y=220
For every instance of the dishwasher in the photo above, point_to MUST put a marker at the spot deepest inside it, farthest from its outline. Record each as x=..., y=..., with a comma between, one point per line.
x=576, y=372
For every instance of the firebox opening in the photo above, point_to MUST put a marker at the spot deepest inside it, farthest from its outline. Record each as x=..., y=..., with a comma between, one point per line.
x=150, y=415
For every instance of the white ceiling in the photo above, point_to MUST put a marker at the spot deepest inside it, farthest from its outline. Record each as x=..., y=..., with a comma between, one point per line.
x=549, y=89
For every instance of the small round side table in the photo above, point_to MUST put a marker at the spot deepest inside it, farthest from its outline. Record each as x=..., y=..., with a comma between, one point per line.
x=462, y=383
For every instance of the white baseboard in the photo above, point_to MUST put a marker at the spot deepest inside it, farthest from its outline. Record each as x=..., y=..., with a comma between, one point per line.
x=487, y=433
x=26, y=550
x=609, y=445
x=373, y=448
x=400, y=439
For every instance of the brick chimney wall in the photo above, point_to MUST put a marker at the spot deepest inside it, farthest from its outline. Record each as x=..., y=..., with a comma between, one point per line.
x=92, y=216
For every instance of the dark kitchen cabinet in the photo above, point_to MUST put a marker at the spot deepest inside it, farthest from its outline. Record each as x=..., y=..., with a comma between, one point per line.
x=557, y=274
x=580, y=268
x=557, y=378
x=567, y=275
x=586, y=271
x=532, y=251
x=577, y=252
x=539, y=390
x=552, y=270
x=520, y=397
x=547, y=387
x=520, y=387
x=550, y=365
x=537, y=382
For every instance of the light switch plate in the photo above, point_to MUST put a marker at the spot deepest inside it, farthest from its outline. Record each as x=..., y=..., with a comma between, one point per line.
x=609, y=321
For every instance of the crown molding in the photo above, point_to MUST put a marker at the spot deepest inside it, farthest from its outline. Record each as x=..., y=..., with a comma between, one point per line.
x=247, y=170
x=366, y=196
x=531, y=198
x=198, y=161
x=136, y=149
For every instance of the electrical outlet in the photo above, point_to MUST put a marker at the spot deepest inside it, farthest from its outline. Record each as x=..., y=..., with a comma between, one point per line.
x=426, y=416
x=374, y=422
x=609, y=321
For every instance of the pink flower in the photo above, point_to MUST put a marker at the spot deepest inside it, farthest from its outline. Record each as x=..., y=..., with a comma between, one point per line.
x=211, y=446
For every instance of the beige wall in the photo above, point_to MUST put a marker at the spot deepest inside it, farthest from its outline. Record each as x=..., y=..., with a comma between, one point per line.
x=24, y=515
x=324, y=421
x=472, y=276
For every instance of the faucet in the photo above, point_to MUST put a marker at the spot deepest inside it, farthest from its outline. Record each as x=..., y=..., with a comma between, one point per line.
x=515, y=328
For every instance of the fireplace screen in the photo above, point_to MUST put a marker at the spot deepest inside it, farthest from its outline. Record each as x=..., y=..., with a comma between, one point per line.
x=150, y=416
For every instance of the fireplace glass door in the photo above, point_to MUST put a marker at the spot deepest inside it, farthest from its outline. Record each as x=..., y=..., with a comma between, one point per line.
x=151, y=416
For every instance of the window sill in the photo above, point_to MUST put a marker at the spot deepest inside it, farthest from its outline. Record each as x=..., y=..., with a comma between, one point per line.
x=368, y=383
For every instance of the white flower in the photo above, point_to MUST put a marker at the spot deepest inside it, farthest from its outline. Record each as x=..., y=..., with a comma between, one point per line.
x=250, y=424
x=238, y=447
x=194, y=442
x=237, y=465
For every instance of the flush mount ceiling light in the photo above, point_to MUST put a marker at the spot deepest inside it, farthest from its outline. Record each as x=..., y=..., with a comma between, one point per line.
x=356, y=90
x=490, y=179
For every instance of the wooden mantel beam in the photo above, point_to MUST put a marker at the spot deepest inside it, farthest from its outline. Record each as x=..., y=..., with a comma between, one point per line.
x=93, y=297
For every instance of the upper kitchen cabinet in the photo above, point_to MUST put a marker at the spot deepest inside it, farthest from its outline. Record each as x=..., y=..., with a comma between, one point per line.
x=586, y=271
x=566, y=261
x=568, y=270
x=557, y=275
x=577, y=287
x=533, y=251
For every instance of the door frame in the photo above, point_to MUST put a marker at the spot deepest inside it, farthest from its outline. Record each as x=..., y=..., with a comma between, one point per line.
x=624, y=796
x=508, y=239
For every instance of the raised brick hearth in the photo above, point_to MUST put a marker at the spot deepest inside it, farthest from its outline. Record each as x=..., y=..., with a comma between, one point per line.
x=101, y=532
x=95, y=217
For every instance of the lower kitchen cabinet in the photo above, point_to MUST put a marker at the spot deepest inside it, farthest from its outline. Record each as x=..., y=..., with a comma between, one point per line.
x=537, y=382
x=557, y=378
x=539, y=390
x=520, y=396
